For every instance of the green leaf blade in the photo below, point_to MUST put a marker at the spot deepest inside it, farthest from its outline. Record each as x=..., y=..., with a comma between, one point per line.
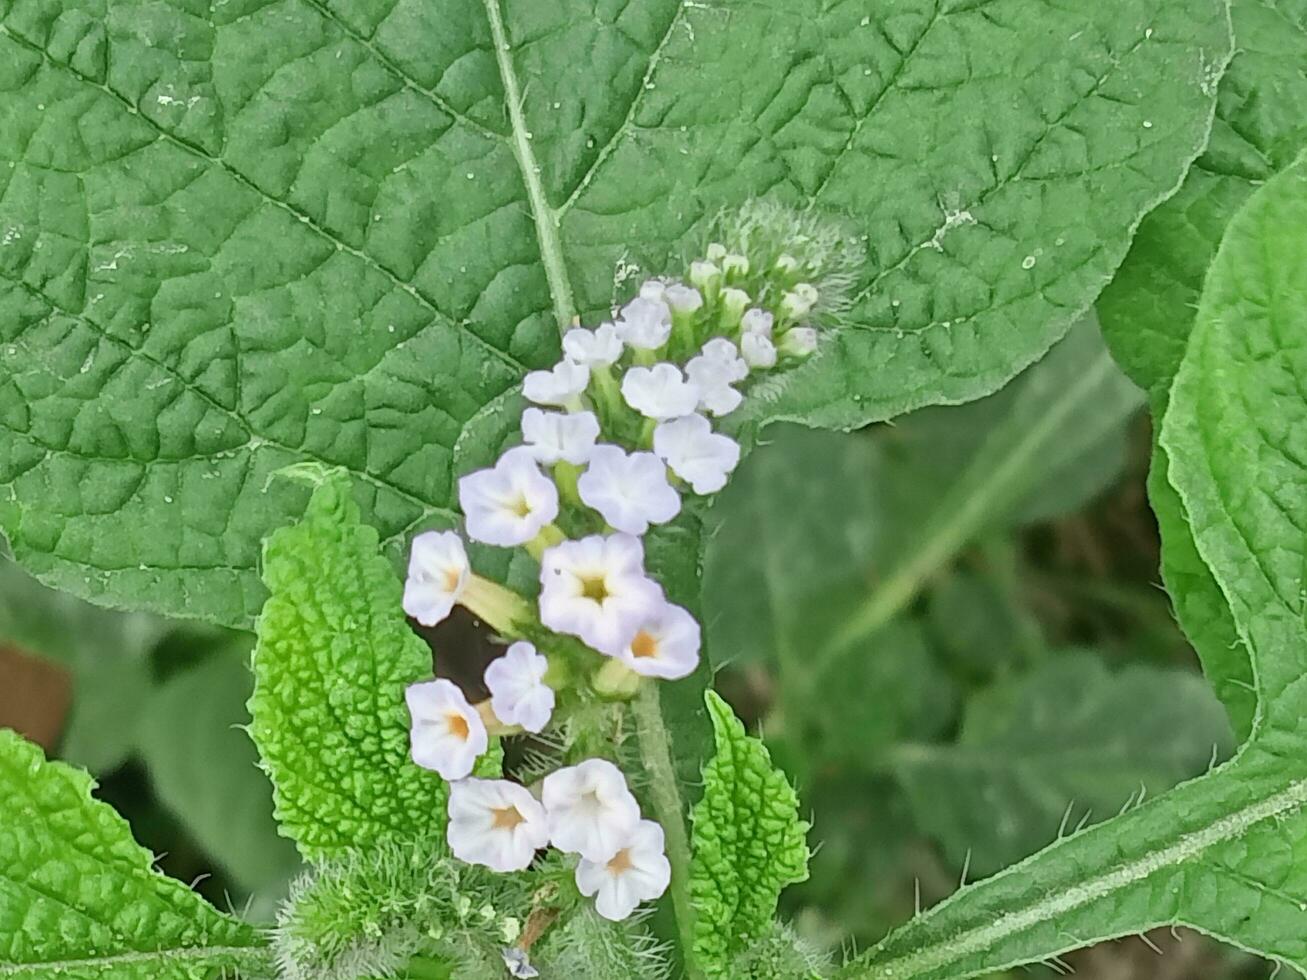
x=333, y=658
x=748, y=844
x=357, y=290
x=80, y=899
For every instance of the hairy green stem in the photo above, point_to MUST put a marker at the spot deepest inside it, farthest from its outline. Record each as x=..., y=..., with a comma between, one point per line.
x=655, y=752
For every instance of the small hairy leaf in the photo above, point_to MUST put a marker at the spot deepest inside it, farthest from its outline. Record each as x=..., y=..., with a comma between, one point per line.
x=748, y=843
x=239, y=237
x=1024, y=765
x=1225, y=853
x=79, y=899
x=334, y=655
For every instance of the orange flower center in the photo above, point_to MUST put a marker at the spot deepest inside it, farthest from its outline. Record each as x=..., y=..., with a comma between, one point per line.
x=644, y=645
x=458, y=726
x=506, y=818
x=621, y=862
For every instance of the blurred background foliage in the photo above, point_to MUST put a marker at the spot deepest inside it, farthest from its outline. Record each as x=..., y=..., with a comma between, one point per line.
x=949, y=630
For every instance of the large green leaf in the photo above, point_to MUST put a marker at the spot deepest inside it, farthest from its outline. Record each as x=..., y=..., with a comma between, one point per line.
x=1027, y=762
x=333, y=658
x=107, y=655
x=1147, y=311
x=205, y=769
x=80, y=900
x=1225, y=853
x=258, y=233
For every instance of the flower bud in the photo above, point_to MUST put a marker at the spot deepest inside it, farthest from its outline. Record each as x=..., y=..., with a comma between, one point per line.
x=786, y=265
x=798, y=342
x=706, y=275
x=734, y=303
x=716, y=252
x=798, y=302
x=735, y=266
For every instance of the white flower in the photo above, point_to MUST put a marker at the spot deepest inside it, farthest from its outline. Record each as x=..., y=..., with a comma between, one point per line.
x=645, y=322
x=638, y=872
x=555, y=436
x=666, y=644
x=518, y=692
x=629, y=491
x=509, y=504
x=653, y=289
x=590, y=810
x=437, y=574
x=683, y=299
x=447, y=734
x=713, y=372
x=599, y=347
x=758, y=350
x=695, y=453
x=495, y=823
x=596, y=589
x=798, y=342
x=757, y=321
x=518, y=963
x=659, y=392
x=561, y=385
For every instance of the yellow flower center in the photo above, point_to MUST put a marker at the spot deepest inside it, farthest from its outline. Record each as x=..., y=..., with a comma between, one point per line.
x=644, y=645
x=506, y=818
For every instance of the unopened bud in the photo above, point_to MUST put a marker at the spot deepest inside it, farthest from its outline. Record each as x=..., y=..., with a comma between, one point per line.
x=734, y=303
x=735, y=266
x=716, y=252
x=798, y=342
x=786, y=264
x=683, y=299
x=706, y=275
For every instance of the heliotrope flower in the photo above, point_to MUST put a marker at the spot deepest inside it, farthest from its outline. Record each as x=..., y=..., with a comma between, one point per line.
x=495, y=823
x=666, y=644
x=629, y=490
x=510, y=503
x=560, y=436
x=447, y=735
x=695, y=453
x=645, y=323
x=438, y=571
x=638, y=872
x=561, y=385
x=596, y=588
x=591, y=811
x=683, y=299
x=757, y=321
x=659, y=392
x=713, y=371
x=518, y=692
x=599, y=347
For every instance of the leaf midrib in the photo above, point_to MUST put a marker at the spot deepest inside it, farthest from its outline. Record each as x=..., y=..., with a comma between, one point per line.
x=939, y=955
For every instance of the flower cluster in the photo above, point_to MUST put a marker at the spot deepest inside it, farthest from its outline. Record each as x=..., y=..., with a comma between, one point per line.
x=622, y=430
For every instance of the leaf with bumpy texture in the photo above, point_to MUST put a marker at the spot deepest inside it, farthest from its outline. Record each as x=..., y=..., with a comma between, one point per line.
x=333, y=658
x=748, y=844
x=1225, y=853
x=80, y=900
x=238, y=237
x=1027, y=761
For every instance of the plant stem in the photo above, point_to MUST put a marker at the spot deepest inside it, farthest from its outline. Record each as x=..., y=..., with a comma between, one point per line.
x=656, y=754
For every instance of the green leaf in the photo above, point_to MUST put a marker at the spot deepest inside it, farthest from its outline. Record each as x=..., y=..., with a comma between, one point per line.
x=205, y=769
x=1225, y=853
x=334, y=656
x=79, y=899
x=106, y=653
x=241, y=238
x=748, y=844
x=1147, y=311
x=1028, y=765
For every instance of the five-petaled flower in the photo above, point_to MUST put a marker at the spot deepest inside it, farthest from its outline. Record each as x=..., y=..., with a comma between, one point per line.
x=665, y=644
x=518, y=692
x=510, y=503
x=695, y=453
x=438, y=571
x=597, y=589
x=629, y=490
x=638, y=872
x=447, y=734
x=591, y=811
x=495, y=823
